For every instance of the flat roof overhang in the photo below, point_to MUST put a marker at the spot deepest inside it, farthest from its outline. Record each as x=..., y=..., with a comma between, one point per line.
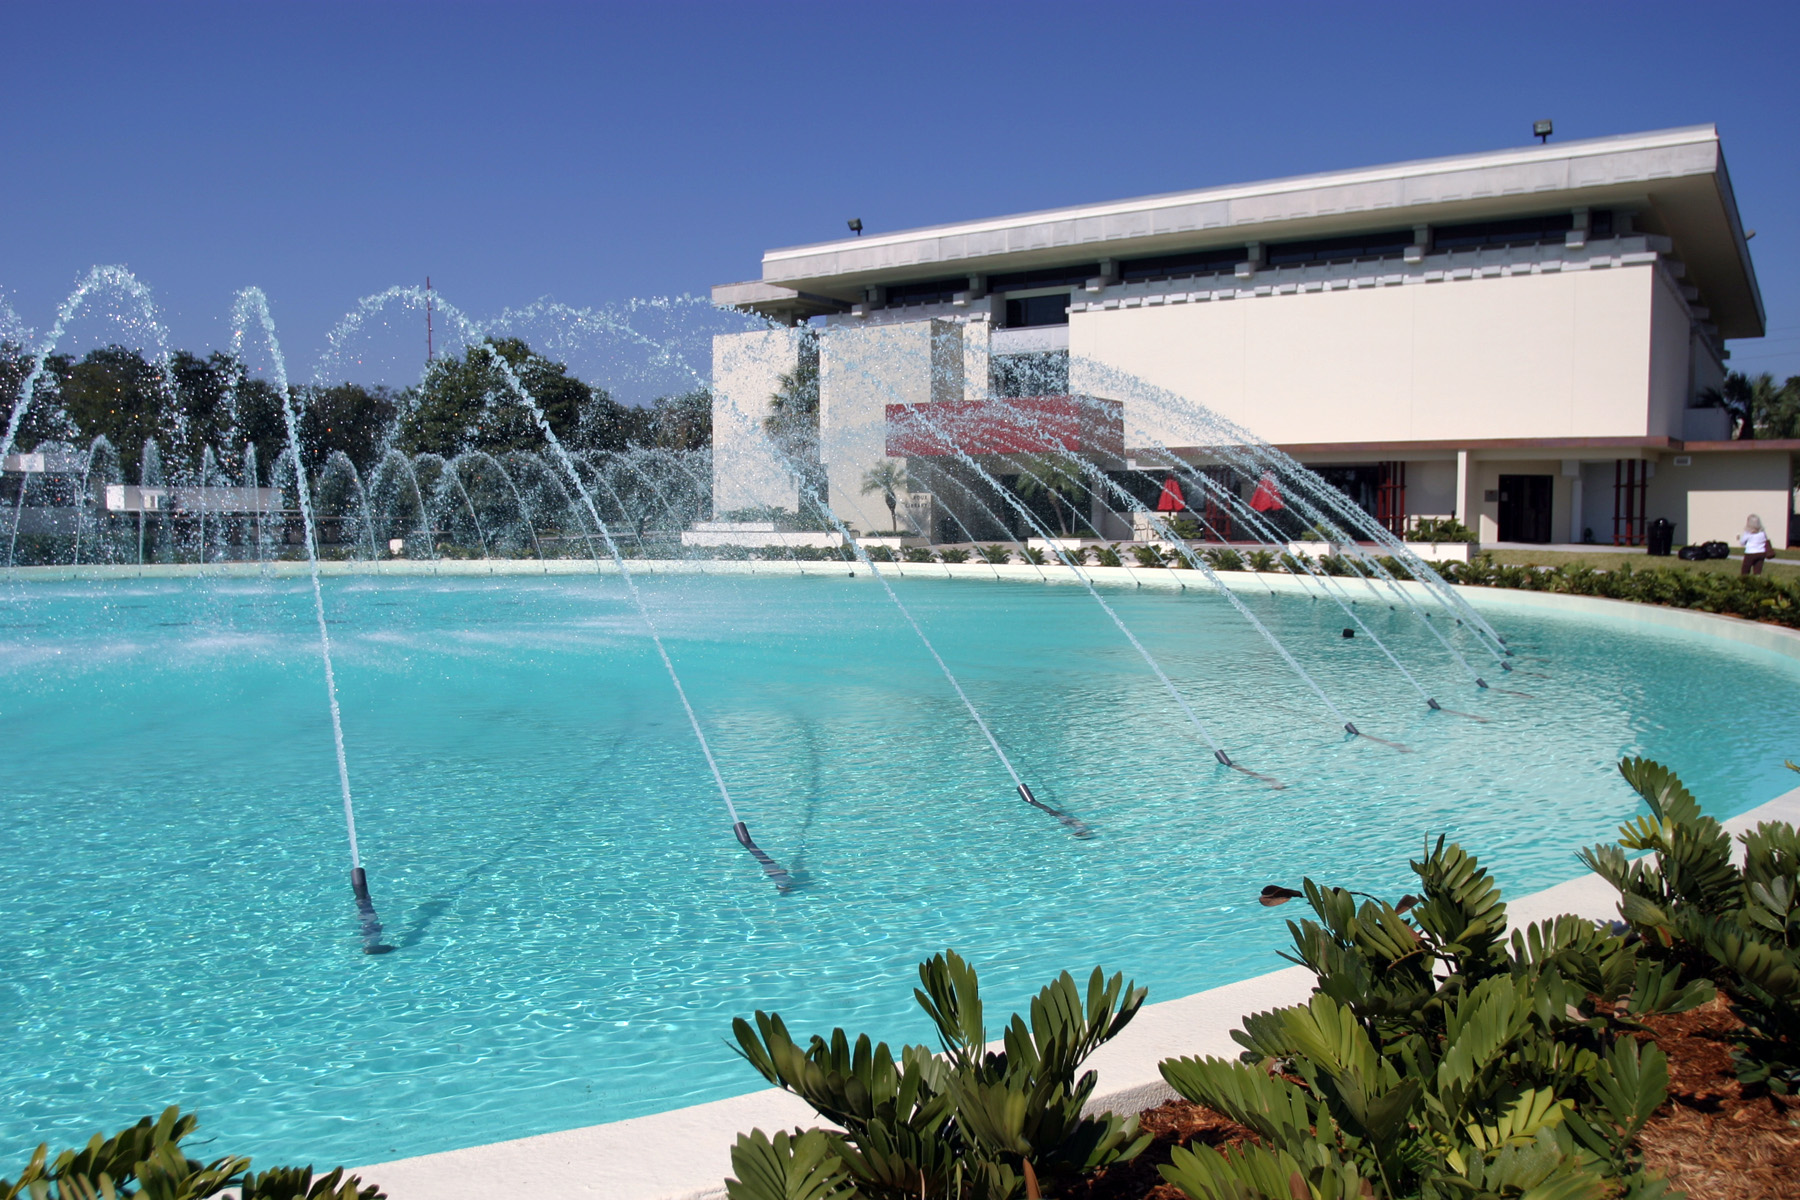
x=778, y=303
x=1676, y=180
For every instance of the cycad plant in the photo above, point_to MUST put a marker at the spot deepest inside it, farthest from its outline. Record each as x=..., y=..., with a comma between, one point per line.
x=964, y=1123
x=147, y=1160
x=1692, y=904
x=1439, y=1058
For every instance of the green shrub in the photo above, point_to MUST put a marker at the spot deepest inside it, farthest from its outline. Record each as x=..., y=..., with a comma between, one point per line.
x=1147, y=556
x=147, y=1160
x=1186, y=528
x=1033, y=555
x=1107, y=556
x=1336, y=564
x=998, y=555
x=1695, y=907
x=917, y=554
x=1396, y=568
x=1440, y=529
x=1077, y=555
x=962, y=1124
x=1224, y=558
x=1261, y=560
x=1175, y=558
x=952, y=554
x=1439, y=1058
x=1295, y=564
x=879, y=553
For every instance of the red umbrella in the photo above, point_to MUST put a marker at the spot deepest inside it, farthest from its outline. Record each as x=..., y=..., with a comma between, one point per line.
x=1171, y=499
x=1267, y=496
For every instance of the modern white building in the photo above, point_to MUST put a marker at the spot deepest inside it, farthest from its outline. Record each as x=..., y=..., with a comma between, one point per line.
x=1521, y=339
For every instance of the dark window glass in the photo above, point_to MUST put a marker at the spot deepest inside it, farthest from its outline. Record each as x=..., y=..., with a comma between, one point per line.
x=1038, y=310
x=1180, y=266
x=1361, y=246
x=931, y=291
x=1524, y=231
x=1600, y=223
x=1020, y=281
x=1016, y=375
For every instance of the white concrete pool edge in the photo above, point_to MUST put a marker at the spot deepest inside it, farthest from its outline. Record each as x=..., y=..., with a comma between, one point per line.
x=685, y=1154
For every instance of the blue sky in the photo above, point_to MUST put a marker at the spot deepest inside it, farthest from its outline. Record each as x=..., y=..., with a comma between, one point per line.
x=598, y=152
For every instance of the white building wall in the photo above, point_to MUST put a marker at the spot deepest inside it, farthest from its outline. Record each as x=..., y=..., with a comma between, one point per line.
x=1555, y=354
x=747, y=370
x=1709, y=498
x=862, y=370
x=1671, y=364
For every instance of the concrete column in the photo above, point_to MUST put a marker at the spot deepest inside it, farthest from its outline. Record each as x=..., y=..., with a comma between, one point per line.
x=1464, y=508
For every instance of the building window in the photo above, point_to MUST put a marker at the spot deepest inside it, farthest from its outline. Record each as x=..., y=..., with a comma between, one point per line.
x=1523, y=231
x=930, y=291
x=1020, y=281
x=1182, y=266
x=1038, y=310
x=1359, y=248
x=1016, y=375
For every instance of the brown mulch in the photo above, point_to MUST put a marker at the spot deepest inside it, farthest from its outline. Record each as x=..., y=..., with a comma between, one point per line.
x=1714, y=1139
x=1171, y=1123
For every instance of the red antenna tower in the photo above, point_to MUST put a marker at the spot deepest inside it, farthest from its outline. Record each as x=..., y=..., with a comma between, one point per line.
x=428, y=346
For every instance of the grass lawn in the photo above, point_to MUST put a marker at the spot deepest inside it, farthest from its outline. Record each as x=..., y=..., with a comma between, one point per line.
x=1786, y=563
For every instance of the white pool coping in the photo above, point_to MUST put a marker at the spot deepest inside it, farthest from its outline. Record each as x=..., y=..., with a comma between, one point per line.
x=684, y=1154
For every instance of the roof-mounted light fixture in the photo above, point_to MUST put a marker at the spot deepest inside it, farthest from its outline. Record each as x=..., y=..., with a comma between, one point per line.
x=1543, y=130
x=855, y=224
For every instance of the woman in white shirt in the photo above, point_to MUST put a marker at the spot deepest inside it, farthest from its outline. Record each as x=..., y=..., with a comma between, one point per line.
x=1756, y=545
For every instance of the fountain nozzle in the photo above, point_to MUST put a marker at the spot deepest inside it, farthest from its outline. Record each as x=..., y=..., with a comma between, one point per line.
x=775, y=871
x=365, y=911
x=1223, y=758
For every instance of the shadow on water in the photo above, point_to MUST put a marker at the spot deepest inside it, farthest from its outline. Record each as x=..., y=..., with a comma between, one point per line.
x=813, y=789
x=420, y=920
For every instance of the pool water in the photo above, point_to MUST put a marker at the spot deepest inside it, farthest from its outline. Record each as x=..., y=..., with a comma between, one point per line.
x=575, y=926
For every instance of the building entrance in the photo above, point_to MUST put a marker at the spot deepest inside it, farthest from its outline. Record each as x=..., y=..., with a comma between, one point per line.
x=1525, y=508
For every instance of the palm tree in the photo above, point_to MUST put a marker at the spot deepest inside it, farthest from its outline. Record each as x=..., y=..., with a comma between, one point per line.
x=1057, y=477
x=888, y=478
x=1755, y=405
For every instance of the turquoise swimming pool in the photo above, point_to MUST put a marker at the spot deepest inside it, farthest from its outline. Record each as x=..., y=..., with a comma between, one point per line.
x=575, y=926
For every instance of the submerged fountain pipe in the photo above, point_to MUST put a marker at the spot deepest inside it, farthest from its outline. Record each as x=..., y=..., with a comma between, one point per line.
x=777, y=874
x=248, y=299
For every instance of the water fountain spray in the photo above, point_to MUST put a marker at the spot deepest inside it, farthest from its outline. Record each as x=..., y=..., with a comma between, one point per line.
x=793, y=468
x=777, y=874
x=251, y=302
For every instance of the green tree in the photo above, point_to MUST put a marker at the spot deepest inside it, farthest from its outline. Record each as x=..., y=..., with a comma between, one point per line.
x=1778, y=413
x=1757, y=406
x=348, y=417
x=1058, y=478
x=45, y=420
x=116, y=393
x=681, y=422
x=467, y=403
x=888, y=478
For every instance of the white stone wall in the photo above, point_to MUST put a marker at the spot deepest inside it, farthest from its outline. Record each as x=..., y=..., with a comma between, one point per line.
x=747, y=370
x=1528, y=355
x=862, y=370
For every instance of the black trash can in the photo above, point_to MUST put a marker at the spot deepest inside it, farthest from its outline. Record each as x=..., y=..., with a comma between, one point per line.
x=1662, y=536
